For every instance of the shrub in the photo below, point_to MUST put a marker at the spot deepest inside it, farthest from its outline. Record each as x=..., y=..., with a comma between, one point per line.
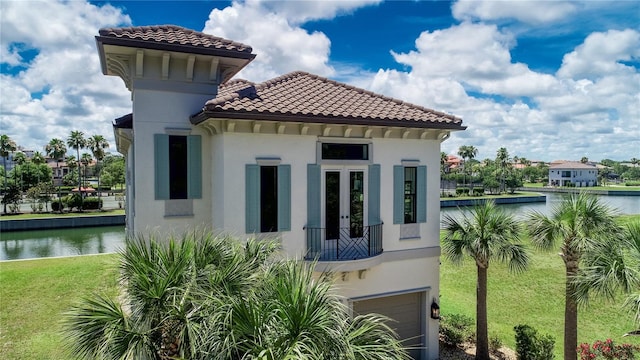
x=461, y=191
x=478, y=191
x=607, y=350
x=495, y=343
x=531, y=346
x=57, y=205
x=632, y=183
x=92, y=203
x=456, y=329
x=72, y=201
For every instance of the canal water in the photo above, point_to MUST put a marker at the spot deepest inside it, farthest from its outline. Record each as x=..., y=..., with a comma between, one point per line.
x=60, y=242
x=96, y=240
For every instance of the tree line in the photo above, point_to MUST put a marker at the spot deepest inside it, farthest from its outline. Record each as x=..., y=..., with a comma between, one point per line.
x=31, y=176
x=505, y=173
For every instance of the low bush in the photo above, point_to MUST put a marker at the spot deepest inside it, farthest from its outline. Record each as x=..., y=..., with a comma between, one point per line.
x=632, y=183
x=456, y=329
x=461, y=191
x=92, y=203
x=495, y=343
x=57, y=205
x=72, y=201
x=532, y=346
x=608, y=350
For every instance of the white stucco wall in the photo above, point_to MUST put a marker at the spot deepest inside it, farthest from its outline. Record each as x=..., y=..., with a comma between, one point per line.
x=155, y=112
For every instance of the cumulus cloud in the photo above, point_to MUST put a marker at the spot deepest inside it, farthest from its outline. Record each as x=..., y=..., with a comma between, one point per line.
x=53, y=83
x=273, y=29
x=531, y=12
x=467, y=70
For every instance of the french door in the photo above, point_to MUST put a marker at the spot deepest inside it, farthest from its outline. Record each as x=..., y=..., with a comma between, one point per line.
x=344, y=202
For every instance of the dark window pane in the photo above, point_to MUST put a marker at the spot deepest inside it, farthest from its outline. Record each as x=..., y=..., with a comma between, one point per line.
x=268, y=198
x=345, y=151
x=410, y=195
x=177, y=167
x=332, y=201
x=356, y=206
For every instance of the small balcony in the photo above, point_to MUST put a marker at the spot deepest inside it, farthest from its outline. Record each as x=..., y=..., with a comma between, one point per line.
x=343, y=244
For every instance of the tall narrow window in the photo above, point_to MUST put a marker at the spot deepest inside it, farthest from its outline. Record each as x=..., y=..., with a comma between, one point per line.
x=409, y=195
x=178, y=182
x=268, y=198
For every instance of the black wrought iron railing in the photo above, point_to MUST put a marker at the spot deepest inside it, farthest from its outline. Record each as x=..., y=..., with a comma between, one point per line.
x=341, y=246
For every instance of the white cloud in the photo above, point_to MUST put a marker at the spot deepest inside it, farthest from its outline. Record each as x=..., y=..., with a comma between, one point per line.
x=467, y=70
x=273, y=30
x=58, y=85
x=601, y=53
x=477, y=55
x=531, y=12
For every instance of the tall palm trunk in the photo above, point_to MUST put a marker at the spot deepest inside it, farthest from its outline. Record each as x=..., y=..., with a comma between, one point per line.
x=570, y=315
x=4, y=164
x=482, y=336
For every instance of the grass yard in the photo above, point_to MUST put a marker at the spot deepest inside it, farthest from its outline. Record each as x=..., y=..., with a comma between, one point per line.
x=35, y=293
x=535, y=298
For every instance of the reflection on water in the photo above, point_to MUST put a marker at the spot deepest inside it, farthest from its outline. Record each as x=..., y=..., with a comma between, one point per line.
x=60, y=242
x=623, y=204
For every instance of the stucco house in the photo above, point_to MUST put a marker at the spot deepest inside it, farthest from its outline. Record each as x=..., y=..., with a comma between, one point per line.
x=337, y=173
x=572, y=173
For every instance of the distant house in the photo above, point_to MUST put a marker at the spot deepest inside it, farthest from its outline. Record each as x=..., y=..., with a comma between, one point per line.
x=572, y=173
x=339, y=174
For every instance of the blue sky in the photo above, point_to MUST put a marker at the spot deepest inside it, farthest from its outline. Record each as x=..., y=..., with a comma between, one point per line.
x=546, y=79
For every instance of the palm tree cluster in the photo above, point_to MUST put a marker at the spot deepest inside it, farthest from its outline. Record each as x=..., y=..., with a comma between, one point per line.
x=600, y=256
x=207, y=297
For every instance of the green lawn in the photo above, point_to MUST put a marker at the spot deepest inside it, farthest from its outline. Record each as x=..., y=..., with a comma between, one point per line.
x=35, y=293
x=535, y=297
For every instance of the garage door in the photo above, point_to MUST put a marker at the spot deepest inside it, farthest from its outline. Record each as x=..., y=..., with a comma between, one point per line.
x=405, y=309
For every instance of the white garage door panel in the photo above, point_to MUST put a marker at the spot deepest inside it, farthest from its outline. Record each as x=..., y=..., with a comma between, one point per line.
x=404, y=309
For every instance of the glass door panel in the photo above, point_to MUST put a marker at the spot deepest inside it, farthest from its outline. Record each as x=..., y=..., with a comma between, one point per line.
x=332, y=204
x=356, y=204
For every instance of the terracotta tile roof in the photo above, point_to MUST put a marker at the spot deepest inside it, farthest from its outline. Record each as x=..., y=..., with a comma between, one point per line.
x=174, y=36
x=300, y=96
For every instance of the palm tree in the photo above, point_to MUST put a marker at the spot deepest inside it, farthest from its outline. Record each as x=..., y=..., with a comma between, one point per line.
x=485, y=234
x=85, y=160
x=97, y=144
x=19, y=158
x=202, y=297
x=613, y=269
x=38, y=159
x=467, y=152
x=6, y=146
x=77, y=141
x=578, y=224
x=502, y=160
x=56, y=149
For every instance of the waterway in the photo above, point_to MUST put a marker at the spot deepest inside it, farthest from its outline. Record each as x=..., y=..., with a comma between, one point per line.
x=60, y=242
x=96, y=240
x=624, y=205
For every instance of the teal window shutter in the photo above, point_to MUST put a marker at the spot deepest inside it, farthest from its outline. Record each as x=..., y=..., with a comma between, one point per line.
x=161, y=166
x=313, y=195
x=421, y=195
x=398, y=194
x=374, y=195
x=194, y=166
x=284, y=197
x=252, y=198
